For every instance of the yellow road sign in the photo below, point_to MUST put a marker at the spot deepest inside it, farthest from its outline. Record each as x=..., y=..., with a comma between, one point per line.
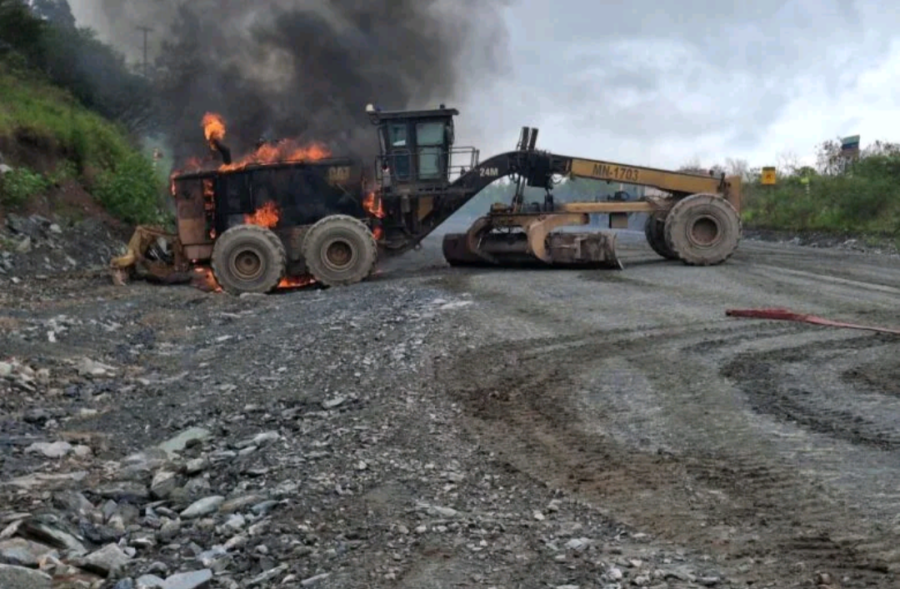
x=768, y=175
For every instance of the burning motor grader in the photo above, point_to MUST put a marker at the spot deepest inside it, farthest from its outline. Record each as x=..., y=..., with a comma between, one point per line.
x=288, y=215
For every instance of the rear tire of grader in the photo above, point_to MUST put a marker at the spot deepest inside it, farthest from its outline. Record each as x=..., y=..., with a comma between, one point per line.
x=655, y=232
x=703, y=229
x=248, y=258
x=339, y=250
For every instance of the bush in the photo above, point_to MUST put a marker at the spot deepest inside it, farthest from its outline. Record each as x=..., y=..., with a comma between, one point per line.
x=131, y=191
x=21, y=184
x=860, y=197
x=89, y=148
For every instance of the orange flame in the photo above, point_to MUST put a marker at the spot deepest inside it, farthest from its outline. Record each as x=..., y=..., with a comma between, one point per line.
x=373, y=205
x=205, y=280
x=377, y=233
x=213, y=128
x=265, y=216
x=286, y=150
x=296, y=281
x=209, y=202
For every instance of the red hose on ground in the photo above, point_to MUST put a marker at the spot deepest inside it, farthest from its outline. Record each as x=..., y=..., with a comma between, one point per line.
x=786, y=315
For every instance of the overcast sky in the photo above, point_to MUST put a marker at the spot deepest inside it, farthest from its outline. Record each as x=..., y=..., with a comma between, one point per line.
x=659, y=83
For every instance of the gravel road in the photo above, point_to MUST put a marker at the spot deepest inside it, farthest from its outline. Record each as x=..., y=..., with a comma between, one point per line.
x=440, y=427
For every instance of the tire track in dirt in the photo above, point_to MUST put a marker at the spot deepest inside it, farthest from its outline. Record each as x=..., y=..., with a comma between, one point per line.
x=713, y=465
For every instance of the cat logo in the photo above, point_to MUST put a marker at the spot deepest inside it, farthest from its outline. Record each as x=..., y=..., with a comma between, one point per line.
x=338, y=174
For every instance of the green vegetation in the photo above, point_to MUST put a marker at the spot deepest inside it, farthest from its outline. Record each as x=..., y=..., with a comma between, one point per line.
x=18, y=186
x=70, y=109
x=856, y=196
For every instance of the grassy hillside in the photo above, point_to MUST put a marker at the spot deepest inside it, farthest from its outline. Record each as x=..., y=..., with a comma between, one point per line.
x=48, y=137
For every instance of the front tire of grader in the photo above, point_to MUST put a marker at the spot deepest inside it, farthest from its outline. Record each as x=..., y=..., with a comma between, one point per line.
x=703, y=229
x=339, y=250
x=655, y=232
x=248, y=258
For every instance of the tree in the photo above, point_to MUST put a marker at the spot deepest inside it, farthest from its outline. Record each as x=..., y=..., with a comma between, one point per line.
x=57, y=12
x=787, y=163
x=99, y=77
x=20, y=31
x=693, y=166
x=738, y=167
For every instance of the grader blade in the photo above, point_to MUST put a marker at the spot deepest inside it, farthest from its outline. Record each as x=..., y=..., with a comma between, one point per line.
x=561, y=250
x=152, y=254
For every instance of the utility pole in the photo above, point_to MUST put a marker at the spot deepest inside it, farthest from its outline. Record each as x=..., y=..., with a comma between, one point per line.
x=145, y=30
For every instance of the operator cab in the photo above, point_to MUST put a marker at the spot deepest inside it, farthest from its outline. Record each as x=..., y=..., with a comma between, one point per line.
x=415, y=146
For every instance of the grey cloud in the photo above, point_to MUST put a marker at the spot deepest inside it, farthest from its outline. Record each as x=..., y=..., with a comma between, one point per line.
x=693, y=71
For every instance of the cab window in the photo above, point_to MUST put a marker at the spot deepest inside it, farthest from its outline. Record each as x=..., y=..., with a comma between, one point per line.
x=400, y=158
x=430, y=140
x=430, y=134
x=398, y=135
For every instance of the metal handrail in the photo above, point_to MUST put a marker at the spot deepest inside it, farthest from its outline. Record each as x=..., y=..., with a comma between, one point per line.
x=453, y=170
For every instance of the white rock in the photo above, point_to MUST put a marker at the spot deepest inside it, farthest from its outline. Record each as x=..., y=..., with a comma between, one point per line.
x=265, y=437
x=82, y=451
x=50, y=450
x=175, y=445
x=236, y=522
x=313, y=580
x=267, y=575
x=150, y=582
x=106, y=561
x=164, y=482
x=333, y=403
x=89, y=367
x=578, y=544
x=196, y=465
x=203, y=507
x=192, y=580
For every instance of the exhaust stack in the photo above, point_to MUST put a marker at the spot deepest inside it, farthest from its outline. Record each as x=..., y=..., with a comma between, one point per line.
x=223, y=150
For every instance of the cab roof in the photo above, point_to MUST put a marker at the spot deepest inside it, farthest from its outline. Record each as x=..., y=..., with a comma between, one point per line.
x=415, y=114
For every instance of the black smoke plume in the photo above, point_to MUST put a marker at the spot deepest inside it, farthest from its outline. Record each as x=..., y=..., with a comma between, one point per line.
x=307, y=68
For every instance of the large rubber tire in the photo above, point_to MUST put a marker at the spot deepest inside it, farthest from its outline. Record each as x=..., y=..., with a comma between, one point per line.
x=340, y=250
x=655, y=232
x=703, y=229
x=248, y=258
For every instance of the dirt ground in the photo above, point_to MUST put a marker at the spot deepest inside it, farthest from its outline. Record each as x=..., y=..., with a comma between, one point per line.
x=441, y=427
